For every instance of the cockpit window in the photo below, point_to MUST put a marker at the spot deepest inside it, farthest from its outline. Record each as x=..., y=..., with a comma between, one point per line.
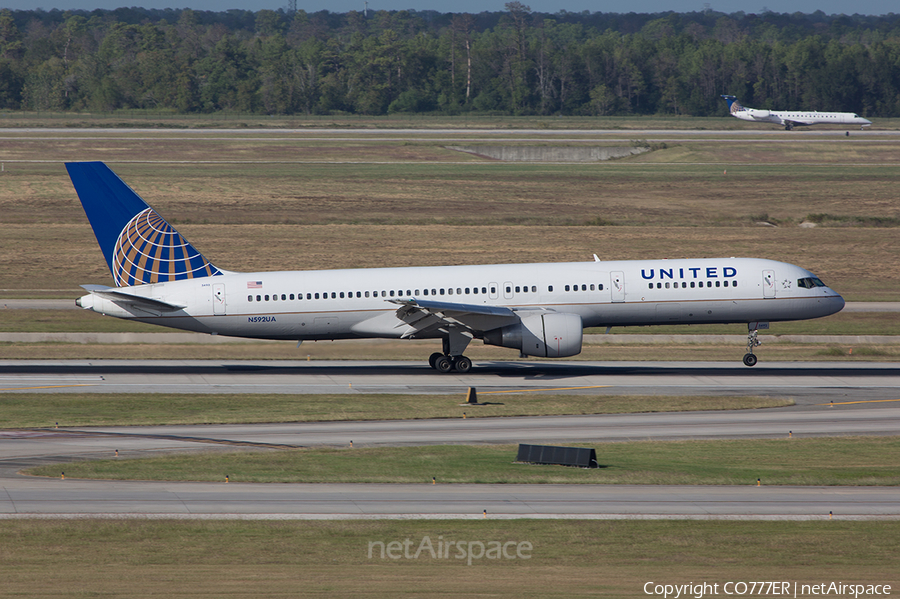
x=810, y=282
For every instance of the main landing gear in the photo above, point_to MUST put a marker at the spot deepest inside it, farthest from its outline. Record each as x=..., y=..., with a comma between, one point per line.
x=444, y=364
x=454, y=344
x=750, y=358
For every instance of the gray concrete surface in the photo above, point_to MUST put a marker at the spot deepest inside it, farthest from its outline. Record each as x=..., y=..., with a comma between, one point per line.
x=29, y=497
x=76, y=498
x=805, y=382
x=551, y=153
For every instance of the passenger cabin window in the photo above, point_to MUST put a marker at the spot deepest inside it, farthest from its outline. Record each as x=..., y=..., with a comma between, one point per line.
x=249, y=298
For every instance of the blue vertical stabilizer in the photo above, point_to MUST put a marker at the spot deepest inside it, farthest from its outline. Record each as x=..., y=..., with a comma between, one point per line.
x=138, y=244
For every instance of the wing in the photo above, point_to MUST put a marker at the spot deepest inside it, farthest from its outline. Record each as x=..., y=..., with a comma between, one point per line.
x=424, y=317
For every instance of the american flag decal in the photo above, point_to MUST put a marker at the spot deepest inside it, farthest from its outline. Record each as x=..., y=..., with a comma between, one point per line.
x=254, y=284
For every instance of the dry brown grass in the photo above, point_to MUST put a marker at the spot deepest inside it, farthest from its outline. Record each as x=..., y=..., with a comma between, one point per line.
x=857, y=262
x=330, y=559
x=387, y=210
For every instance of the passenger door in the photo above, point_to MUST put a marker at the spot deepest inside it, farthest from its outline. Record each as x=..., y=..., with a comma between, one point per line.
x=218, y=299
x=617, y=286
x=768, y=282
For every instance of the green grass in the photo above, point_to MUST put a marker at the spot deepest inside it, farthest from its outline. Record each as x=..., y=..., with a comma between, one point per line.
x=827, y=461
x=579, y=558
x=23, y=410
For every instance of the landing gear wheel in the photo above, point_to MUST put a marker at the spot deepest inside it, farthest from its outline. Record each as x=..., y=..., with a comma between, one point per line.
x=433, y=358
x=462, y=364
x=752, y=341
x=443, y=364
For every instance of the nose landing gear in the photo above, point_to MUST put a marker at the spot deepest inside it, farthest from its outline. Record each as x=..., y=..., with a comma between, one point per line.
x=750, y=358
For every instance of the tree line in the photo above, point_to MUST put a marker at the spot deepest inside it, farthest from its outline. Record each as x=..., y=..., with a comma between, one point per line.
x=512, y=62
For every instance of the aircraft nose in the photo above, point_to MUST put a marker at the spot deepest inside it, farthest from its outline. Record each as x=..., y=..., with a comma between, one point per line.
x=836, y=303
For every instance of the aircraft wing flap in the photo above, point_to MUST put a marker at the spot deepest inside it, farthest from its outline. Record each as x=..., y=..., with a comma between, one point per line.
x=143, y=303
x=425, y=316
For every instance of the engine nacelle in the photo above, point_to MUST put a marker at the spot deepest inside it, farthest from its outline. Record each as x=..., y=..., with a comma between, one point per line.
x=546, y=334
x=761, y=114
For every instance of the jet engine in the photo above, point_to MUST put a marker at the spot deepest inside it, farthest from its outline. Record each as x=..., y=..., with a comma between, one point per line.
x=545, y=334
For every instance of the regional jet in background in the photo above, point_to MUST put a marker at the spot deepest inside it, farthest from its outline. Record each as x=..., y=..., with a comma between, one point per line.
x=789, y=118
x=538, y=309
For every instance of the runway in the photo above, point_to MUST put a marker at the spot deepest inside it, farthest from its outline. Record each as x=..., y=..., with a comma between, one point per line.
x=26, y=497
x=72, y=499
x=805, y=382
x=865, y=398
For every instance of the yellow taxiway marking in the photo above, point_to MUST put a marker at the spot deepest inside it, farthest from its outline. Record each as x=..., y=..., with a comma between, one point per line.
x=554, y=389
x=45, y=387
x=846, y=403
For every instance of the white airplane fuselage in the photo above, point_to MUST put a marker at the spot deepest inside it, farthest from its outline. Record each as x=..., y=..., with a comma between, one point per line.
x=791, y=118
x=539, y=309
x=349, y=304
x=785, y=117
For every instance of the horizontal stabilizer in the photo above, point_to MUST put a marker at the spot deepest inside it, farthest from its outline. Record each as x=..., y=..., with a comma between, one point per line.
x=142, y=303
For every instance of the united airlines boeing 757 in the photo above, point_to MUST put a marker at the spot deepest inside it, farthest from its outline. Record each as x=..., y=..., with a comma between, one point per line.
x=538, y=309
x=791, y=118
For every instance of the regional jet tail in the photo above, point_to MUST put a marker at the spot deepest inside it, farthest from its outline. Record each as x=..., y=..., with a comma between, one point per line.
x=537, y=309
x=790, y=119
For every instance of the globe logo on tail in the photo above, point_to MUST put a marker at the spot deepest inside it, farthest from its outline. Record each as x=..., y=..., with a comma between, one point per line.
x=149, y=250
